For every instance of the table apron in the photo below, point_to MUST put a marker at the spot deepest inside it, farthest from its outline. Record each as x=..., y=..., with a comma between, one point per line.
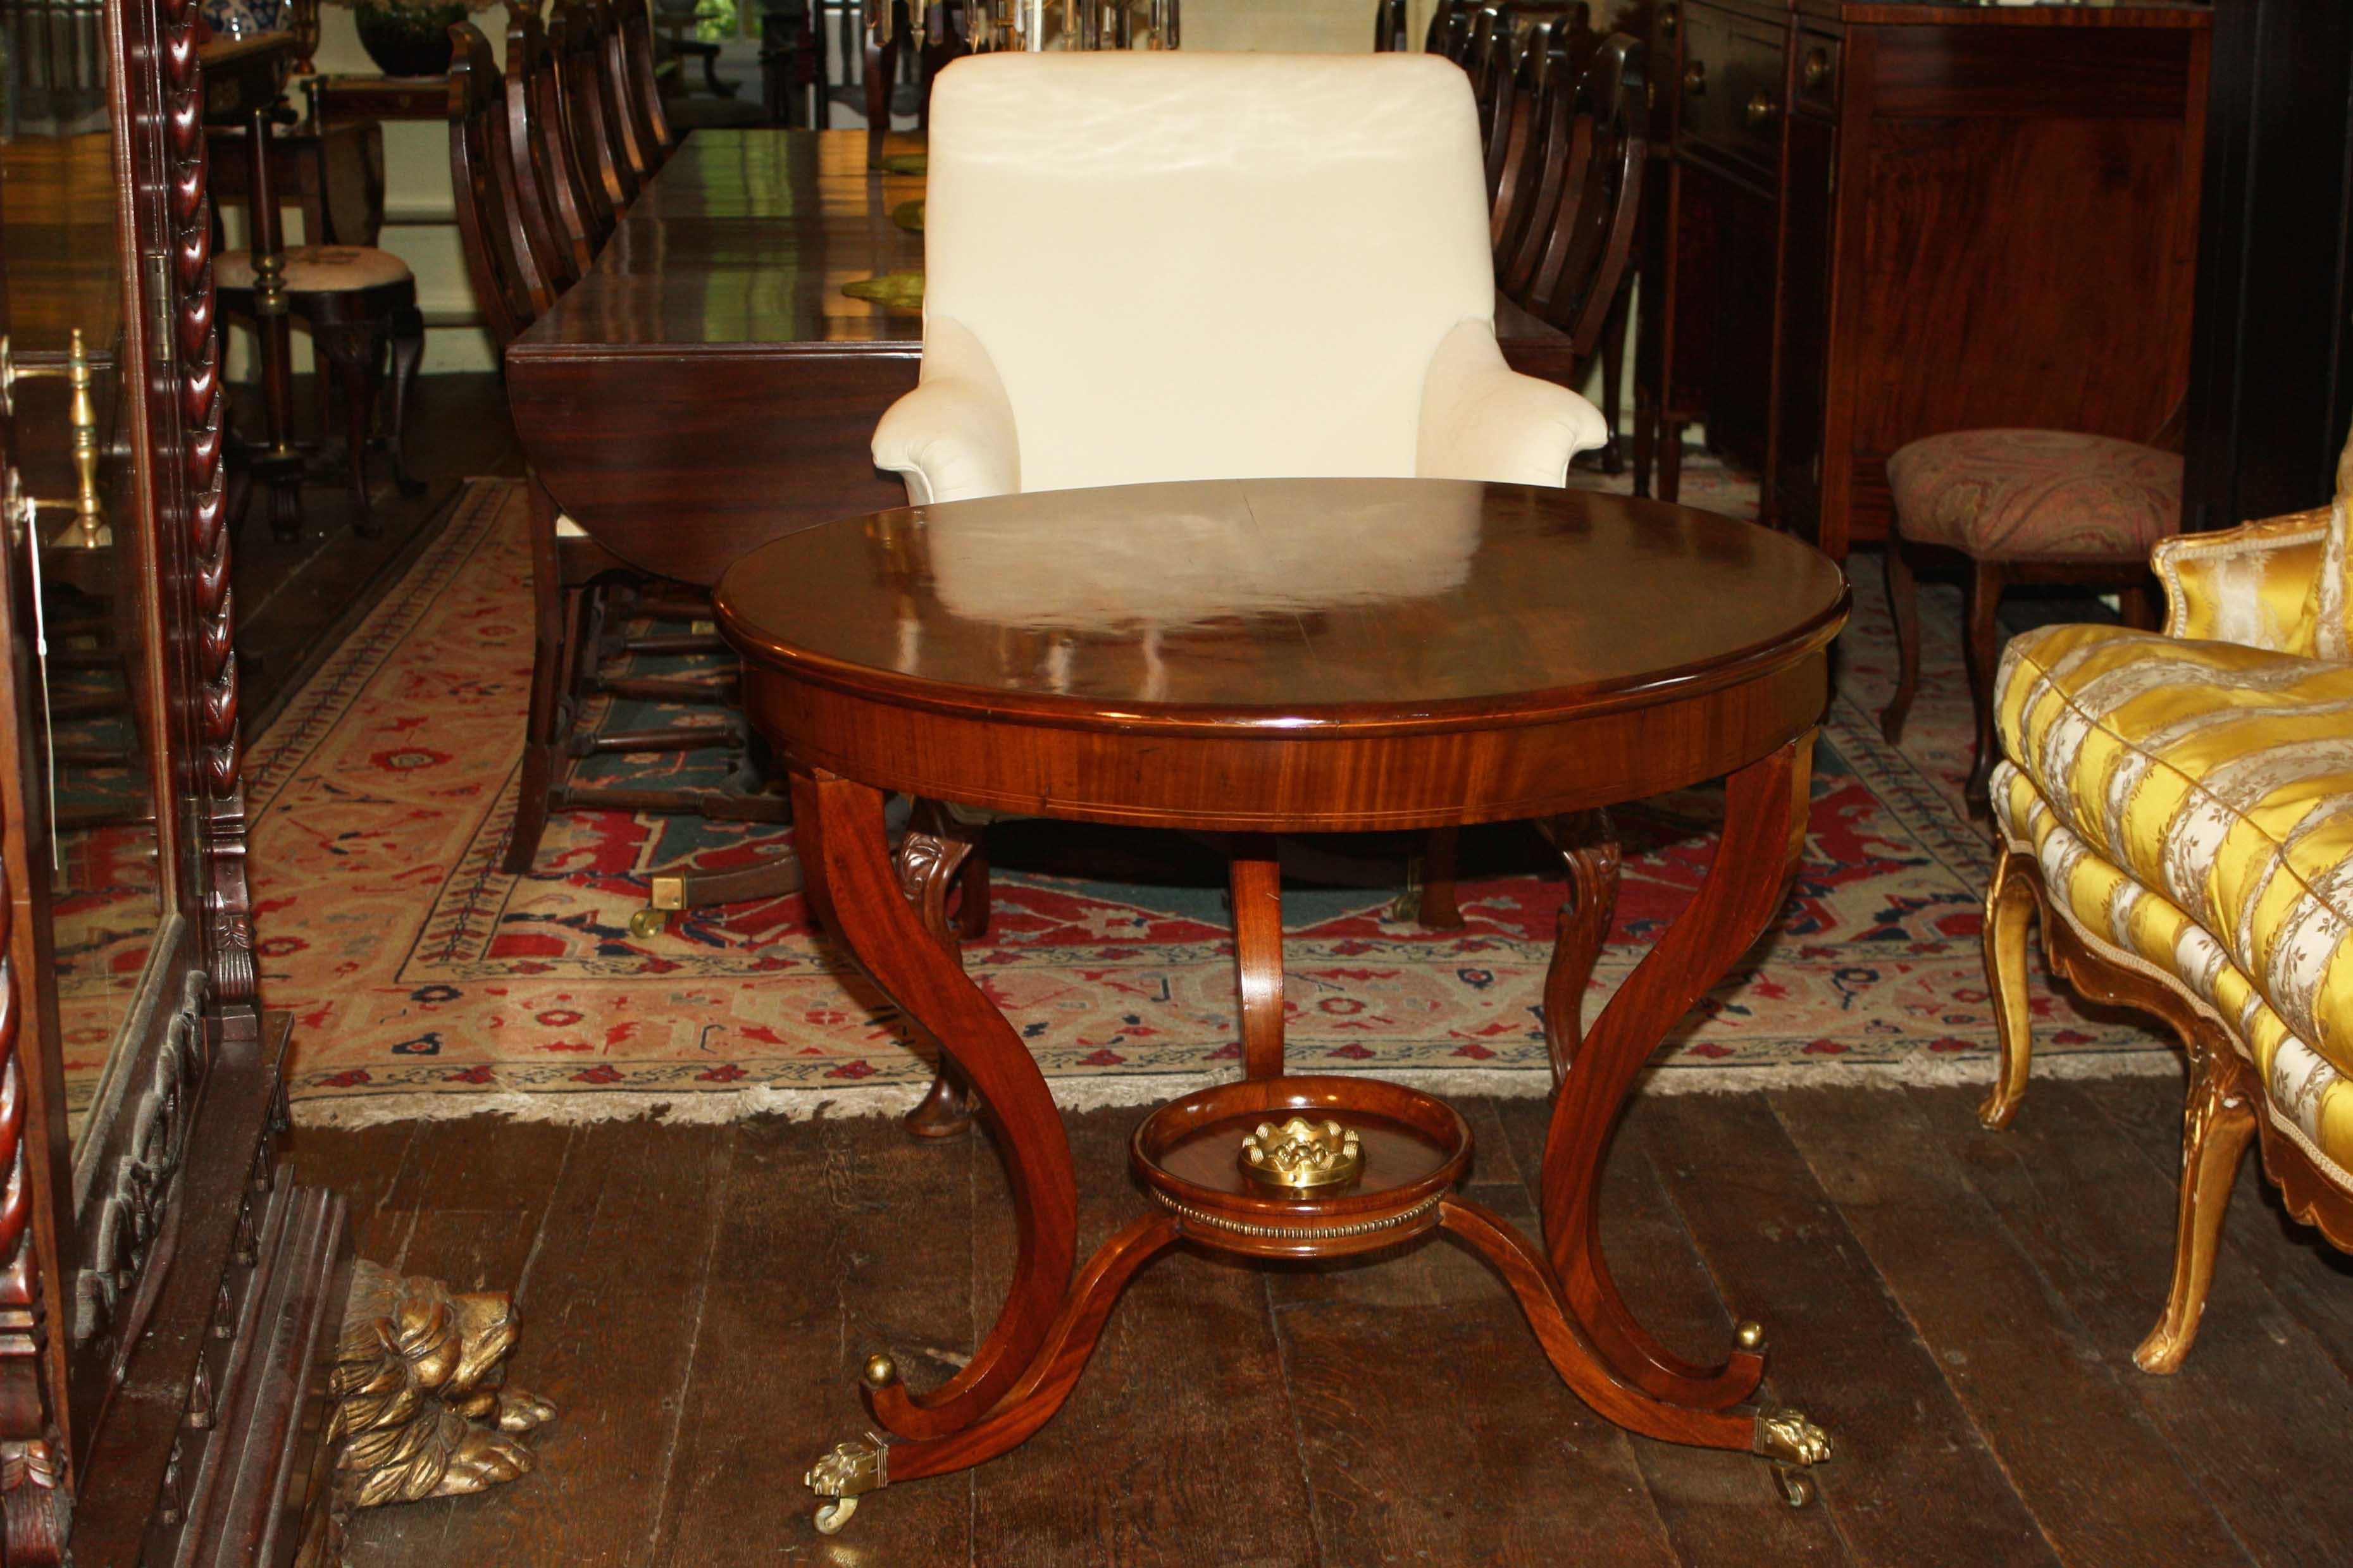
x=1328, y=783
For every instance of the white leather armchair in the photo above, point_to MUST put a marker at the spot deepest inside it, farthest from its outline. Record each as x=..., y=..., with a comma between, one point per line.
x=1163, y=265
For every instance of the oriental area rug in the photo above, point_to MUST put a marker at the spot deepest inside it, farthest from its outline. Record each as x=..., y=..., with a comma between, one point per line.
x=425, y=983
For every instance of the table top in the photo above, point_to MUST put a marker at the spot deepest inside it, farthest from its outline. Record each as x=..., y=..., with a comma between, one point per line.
x=1284, y=607
x=744, y=238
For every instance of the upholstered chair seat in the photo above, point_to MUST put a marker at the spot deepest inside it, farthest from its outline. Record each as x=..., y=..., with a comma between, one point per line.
x=2179, y=808
x=2011, y=495
x=1161, y=266
x=1999, y=507
x=320, y=269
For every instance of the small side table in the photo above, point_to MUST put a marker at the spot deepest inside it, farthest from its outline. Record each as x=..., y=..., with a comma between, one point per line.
x=339, y=99
x=1263, y=656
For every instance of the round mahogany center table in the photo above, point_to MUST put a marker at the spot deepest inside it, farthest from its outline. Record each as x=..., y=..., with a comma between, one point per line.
x=1264, y=656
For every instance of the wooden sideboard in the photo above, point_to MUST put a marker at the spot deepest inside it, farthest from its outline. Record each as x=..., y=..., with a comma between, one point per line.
x=1884, y=221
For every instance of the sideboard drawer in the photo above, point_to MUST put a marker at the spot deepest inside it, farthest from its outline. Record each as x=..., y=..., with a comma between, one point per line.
x=1730, y=90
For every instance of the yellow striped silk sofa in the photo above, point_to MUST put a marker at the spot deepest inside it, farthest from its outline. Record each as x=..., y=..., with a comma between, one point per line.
x=2179, y=808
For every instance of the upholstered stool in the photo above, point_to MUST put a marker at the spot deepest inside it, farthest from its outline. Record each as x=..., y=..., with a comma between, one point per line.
x=1998, y=507
x=358, y=301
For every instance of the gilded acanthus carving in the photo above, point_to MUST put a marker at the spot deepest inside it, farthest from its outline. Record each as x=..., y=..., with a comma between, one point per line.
x=420, y=1409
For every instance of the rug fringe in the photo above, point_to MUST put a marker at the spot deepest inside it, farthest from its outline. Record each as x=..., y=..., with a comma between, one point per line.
x=714, y=1107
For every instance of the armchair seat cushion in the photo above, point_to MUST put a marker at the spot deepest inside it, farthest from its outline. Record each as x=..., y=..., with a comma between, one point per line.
x=2013, y=495
x=319, y=269
x=2192, y=803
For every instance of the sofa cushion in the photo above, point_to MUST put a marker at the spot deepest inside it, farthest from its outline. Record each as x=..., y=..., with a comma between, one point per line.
x=2009, y=494
x=2217, y=776
x=2129, y=924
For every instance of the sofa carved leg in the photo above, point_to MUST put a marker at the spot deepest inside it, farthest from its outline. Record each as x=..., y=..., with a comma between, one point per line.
x=2218, y=1119
x=2010, y=902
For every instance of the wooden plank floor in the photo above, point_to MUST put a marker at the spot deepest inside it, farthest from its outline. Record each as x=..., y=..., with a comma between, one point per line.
x=1959, y=1308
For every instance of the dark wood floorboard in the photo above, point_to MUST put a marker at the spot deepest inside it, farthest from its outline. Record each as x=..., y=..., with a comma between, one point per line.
x=1957, y=1307
x=2041, y=1387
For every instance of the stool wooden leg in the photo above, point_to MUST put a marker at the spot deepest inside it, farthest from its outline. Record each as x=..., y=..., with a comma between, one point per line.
x=355, y=369
x=408, y=354
x=1985, y=582
x=1903, y=608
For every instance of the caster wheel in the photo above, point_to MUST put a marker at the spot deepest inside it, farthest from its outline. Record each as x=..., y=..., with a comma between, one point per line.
x=1796, y=1487
x=832, y=1516
x=649, y=921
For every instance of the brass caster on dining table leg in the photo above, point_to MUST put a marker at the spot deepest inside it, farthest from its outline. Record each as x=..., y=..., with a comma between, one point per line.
x=648, y=922
x=846, y=1474
x=1793, y=1444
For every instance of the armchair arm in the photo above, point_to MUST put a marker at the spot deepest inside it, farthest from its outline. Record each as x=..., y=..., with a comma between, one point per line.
x=1481, y=419
x=953, y=437
x=2253, y=585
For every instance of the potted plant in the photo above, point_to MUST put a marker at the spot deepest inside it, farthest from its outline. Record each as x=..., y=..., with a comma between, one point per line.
x=409, y=37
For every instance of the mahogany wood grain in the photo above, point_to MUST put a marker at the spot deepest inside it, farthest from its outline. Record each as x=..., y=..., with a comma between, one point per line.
x=715, y=311
x=1150, y=654
x=1257, y=888
x=854, y=889
x=1968, y=217
x=1588, y=843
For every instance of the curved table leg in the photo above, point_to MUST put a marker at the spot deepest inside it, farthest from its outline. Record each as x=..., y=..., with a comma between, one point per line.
x=1783, y=1435
x=1764, y=832
x=933, y=856
x=856, y=891
x=1587, y=843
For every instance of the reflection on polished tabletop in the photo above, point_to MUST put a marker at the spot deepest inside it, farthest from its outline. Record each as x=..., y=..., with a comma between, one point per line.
x=1282, y=602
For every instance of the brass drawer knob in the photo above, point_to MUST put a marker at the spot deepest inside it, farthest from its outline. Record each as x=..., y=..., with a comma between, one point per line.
x=1668, y=21
x=1817, y=72
x=1694, y=79
x=1760, y=110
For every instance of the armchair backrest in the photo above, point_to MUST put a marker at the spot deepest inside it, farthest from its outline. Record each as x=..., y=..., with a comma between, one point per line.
x=1207, y=266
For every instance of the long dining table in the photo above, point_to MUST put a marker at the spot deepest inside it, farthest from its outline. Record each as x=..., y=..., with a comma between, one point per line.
x=708, y=386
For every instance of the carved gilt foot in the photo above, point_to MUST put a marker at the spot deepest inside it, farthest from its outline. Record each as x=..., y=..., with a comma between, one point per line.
x=420, y=1409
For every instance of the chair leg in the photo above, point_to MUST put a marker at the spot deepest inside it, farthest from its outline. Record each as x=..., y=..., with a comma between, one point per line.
x=408, y=354
x=2139, y=607
x=1903, y=605
x=1985, y=582
x=1646, y=440
x=2011, y=903
x=1439, y=910
x=2217, y=1120
x=554, y=611
x=1670, y=460
x=356, y=367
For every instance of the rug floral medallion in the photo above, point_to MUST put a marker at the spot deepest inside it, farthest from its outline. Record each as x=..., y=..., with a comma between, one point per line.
x=425, y=981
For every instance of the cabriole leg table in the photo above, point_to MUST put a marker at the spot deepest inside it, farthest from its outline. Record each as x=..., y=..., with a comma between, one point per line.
x=1279, y=1165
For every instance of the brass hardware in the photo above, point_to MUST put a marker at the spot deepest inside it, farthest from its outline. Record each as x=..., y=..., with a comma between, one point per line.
x=1695, y=79
x=703, y=629
x=648, y=922
x=1786, y=1437
x=1760, y=109
x=1817, y=71
x=1305, y=1233
x=88, y=529
x=420, y=1410
x=1796, y=1486
x=880, y=1372
x=1668, y=21
x=1749, y=1336
x=669, y=893
x=1302, y=1156
x=847, y=1473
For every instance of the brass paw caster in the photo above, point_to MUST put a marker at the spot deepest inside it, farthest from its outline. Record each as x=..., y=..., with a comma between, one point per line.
x=649, y=921
x=1793, y=1444
x=845, y=1475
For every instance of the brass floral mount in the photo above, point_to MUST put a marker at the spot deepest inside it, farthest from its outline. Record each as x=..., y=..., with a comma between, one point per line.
x=1302, y=1156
